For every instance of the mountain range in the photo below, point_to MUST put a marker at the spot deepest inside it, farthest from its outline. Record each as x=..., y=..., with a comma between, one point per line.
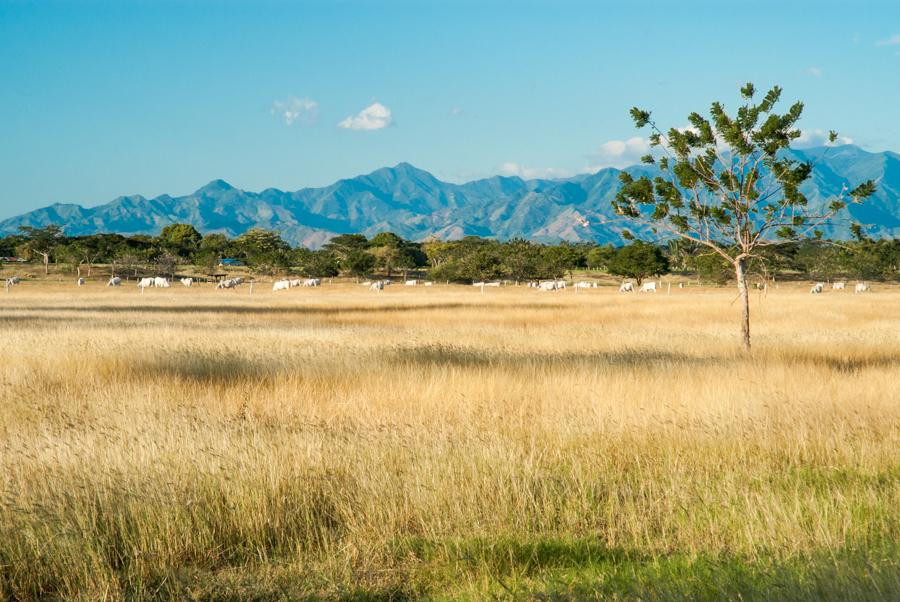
x=414, y=204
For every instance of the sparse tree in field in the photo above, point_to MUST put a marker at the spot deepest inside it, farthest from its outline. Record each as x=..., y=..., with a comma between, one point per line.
x=638, y=260
x=42, y=241
x=166, y=263
x=729, y=184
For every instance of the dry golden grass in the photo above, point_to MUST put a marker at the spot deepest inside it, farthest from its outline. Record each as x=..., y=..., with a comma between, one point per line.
x=442, y=443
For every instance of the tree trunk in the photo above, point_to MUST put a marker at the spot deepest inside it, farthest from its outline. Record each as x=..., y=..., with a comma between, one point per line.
x=46, y=257
x=740, y=270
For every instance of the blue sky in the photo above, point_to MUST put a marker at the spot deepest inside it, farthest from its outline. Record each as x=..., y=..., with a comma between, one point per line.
x=99, y=99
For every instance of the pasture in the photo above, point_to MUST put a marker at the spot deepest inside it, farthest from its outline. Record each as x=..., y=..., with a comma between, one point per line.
x=446, y=444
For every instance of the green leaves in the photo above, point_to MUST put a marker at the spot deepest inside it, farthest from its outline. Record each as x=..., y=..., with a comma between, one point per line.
x=641, y=118
x=863, y=191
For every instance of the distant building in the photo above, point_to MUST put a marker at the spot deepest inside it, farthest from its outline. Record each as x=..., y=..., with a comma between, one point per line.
x=231, y=263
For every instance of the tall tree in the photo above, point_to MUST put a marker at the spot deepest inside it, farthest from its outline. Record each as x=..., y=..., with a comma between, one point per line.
x=730, y=184
x=638, y=260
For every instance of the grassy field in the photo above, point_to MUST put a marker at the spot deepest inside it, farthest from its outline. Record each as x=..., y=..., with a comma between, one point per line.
x=440, y=443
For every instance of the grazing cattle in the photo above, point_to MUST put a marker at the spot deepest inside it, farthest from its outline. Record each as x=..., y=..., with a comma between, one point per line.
x=584, y=284
x=114, y=281
x=312, y=282
x=12, y=281
x=838, y=286
x=187, y=281
x=145, y=282
x=160, y=282
x=817, y=288
x=648, y=287
x=560, y=284
x=492, y=284
x=230, y=283
x=861, y=287
x=296, y=282
x=548, y=285
x=627, y=287
x=681, y=285
x=411, y=282
x=80, y=282
x=478, y=284
x=378, y=285
x=281, y=285
x=428, y=283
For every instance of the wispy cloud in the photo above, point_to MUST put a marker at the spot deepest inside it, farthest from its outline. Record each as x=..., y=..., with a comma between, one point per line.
x=456, y=112
x=815, y=71
x=810, y=138
x=303, y=111
x=511, y=168
x=374, y=117
x=894, y=40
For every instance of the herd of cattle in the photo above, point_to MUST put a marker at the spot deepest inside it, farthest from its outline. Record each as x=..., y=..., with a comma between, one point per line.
x=819, y=287
x=283, y=285
x=378, y=285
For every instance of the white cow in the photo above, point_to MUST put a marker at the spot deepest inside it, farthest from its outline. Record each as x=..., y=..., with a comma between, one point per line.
x=281, y=285
x=187, y=281
x=160, y=282
x=114, y=281
x=817, y=288
x=560, y=284
x=296, y=282
x=681, y=285
x=838, y=286
x=230, y=283
x=12, y=281
x=312, y=282
x=648, y=287
x=80, y=282
x=627, y=287
x=428, y=283
x=585, y=284
x=861, y=287
x=378, y=286
x=492, y=284
x=145, y=282
x=478, y=284
x=411, y=282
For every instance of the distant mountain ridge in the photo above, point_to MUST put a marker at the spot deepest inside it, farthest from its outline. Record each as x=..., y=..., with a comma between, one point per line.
x=414, y=204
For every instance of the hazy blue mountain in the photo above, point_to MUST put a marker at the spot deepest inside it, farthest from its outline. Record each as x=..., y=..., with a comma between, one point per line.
x=416, y=205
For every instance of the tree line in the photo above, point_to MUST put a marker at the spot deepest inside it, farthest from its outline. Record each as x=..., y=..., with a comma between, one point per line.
x=469, y=259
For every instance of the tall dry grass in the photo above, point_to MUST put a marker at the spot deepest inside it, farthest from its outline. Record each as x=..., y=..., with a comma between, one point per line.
x=440, y=442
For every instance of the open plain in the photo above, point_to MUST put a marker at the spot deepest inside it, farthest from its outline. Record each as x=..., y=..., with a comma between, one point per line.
x=442, y=443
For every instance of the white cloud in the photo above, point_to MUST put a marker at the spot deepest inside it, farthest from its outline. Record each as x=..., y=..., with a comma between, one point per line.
x=894, y=40
x=619, y=153
x=809, y=138
x=529, y=173
x=304, y=111
x=456, y=112
x=373, y=117
x=814, y=71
